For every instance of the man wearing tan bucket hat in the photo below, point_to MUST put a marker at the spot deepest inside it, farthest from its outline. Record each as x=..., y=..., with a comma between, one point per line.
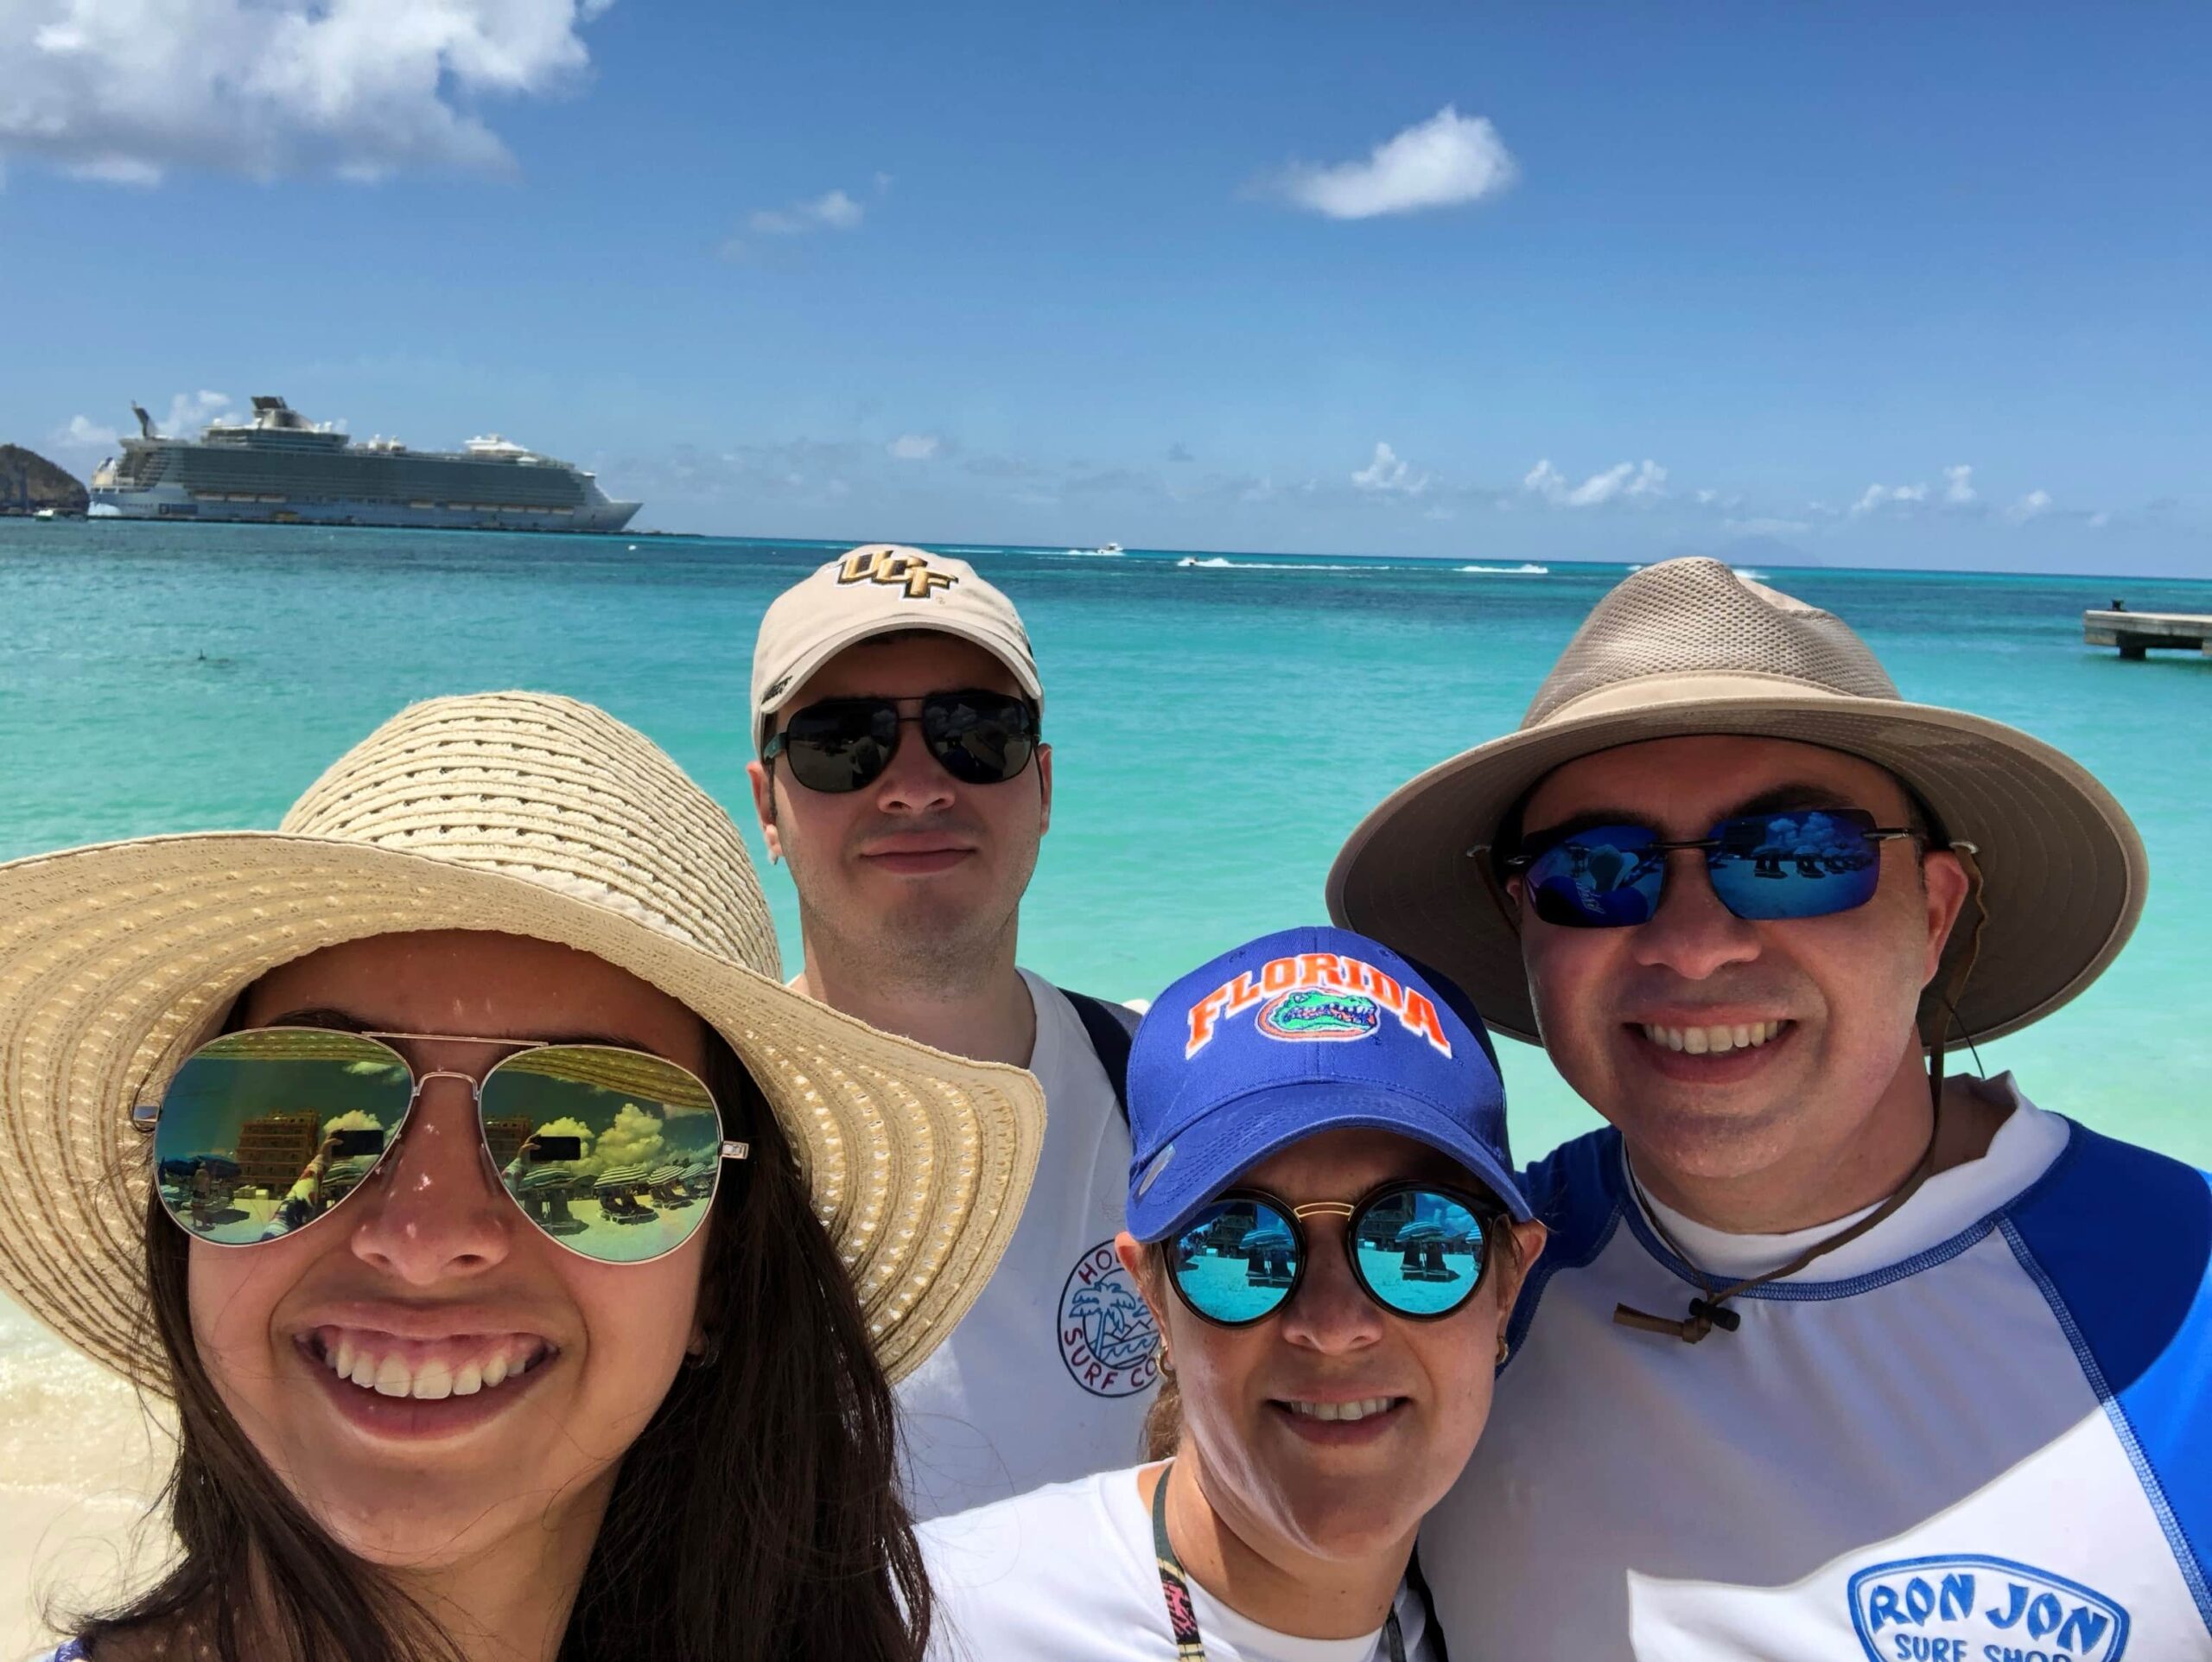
x=1830, y=1356
x=902, y=775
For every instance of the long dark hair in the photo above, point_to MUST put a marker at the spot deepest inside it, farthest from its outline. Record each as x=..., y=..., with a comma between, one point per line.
x=757, y=1516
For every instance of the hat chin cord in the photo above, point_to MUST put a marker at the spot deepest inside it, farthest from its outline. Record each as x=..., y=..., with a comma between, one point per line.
x=1711, y=1311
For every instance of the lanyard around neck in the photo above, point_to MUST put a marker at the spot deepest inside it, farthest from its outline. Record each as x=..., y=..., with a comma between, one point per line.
x=1175, y=1588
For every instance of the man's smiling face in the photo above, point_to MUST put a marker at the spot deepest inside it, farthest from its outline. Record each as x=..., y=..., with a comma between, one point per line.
x=1836, y=996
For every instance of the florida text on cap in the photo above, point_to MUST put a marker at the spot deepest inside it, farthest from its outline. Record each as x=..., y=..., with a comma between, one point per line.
x=1303, y=1031
x=875, y=590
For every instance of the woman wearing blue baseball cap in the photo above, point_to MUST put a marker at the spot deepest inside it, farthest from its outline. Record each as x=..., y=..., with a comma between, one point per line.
x=1325, y=1232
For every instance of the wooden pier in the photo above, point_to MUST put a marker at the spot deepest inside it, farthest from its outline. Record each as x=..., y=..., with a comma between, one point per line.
x=2136, y=633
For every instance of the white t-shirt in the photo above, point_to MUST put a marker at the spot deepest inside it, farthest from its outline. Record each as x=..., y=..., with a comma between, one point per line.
x=1049, y=1374
x=1067, y=1574
x=1981, y=1432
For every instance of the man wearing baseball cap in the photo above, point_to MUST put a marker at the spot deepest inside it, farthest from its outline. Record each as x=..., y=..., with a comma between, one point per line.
x=1831, y=1356
x=902, y=774
x=1323, y=1222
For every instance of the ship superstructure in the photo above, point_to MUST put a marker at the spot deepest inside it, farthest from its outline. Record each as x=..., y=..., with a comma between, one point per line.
x=279, y=467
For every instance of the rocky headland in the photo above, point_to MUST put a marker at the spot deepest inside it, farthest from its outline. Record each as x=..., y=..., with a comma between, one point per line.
x=28, y=482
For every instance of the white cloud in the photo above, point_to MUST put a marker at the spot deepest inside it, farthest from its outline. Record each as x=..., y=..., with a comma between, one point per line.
x=1622, y=480
x=1389, y=472
x=1442, y=162
x=832, y=210
x=1876, y=497
x=121, y=91
x=2033, y=505
x=190, y=412
x=1767, y=527
x=83, y=434
x=634, y=1138
x=914, y=447
x=1958, y=485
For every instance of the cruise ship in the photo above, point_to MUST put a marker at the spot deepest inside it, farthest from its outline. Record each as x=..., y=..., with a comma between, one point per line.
x=278, y=468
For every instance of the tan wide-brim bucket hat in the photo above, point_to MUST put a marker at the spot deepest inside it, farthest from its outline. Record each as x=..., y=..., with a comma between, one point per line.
x=1689, y=646
x=521, y=813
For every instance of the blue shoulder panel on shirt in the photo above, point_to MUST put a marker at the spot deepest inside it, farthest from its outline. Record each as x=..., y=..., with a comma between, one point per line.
x=1576, y=1194
x=2120, y=1240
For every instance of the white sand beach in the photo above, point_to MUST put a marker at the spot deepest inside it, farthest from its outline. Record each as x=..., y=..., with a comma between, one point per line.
x=80, y=1460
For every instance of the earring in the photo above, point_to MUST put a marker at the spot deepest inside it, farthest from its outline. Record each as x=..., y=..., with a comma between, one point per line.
x=1504, y=1349
x=1167, y=1362
x=708, y=1352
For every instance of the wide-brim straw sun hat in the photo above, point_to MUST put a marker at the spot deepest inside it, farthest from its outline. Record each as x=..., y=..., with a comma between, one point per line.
x=1690, y=646
x=519, y=813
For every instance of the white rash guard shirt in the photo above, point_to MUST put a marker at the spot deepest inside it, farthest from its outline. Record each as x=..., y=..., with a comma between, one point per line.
x=1067, y=1575
x=1049, y=1374
x=1981, y=1432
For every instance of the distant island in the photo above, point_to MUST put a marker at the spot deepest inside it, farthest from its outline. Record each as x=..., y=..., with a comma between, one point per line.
x=28, y=483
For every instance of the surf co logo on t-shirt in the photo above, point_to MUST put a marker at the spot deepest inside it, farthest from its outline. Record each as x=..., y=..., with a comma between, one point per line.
x=1108, y=1337
x=1980, y=1609
x=1316, y=997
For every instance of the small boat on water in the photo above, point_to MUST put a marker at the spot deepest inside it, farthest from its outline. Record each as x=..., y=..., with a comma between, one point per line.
x=45, y=513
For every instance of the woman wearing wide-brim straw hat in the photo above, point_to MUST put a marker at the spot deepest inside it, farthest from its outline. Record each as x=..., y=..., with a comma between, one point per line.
x=414, y=1419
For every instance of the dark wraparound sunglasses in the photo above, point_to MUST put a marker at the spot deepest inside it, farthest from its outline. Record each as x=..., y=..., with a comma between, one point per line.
x=839, y=745
x=614, y=1154
x=1416, y=1249
x=1807, y=863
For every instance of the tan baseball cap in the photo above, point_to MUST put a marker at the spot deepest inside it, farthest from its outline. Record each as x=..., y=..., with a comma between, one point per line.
x=880, y=588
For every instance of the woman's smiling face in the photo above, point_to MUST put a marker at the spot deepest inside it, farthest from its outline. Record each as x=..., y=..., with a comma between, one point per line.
x=506, y=1376
x=1272, y=1466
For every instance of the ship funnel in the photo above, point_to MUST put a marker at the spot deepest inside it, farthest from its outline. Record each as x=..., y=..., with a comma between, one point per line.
x=145, y=421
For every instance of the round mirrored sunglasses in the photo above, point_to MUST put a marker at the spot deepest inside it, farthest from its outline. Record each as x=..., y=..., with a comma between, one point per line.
x=1418, y=1250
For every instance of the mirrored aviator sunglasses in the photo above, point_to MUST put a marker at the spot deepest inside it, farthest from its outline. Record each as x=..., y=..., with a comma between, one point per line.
x=839, y=745
x=1417, y=1249
x=1807, y=863
x=614, y=1154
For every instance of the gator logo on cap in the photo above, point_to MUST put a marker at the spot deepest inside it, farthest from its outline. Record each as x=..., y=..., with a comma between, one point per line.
x=1339, y=983
x=1311, y=1013
x=1970, y=1606
x=895, y=569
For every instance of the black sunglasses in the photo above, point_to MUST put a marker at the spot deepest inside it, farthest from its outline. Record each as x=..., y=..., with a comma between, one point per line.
x=1805, y=863
x=1419, y=1250
x=839, y=745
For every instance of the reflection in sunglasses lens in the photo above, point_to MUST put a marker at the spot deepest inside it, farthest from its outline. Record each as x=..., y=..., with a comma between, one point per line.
x=1420, y=1252
x=1806, y=864
x=612, y=1153
x=263, y=1133
x=1237, y=1262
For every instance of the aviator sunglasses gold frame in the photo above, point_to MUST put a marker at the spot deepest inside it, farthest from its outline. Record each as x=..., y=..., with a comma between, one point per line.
x=145, y=1119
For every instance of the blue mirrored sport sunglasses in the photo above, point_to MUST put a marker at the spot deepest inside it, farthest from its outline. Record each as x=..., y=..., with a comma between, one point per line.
x=1416, y=1249
x=1805, y=863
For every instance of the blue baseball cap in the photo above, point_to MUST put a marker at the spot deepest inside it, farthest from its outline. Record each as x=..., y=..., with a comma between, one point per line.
x=1302, y=1031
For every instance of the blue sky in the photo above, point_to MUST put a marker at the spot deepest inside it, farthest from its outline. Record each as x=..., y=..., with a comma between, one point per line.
x=1607, y=282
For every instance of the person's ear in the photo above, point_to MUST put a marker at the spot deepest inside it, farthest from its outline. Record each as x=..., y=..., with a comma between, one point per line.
x=1944, y=887
x=1045, y=784
x=1526, y=1247
x=1144, y=1265
x=764, y=805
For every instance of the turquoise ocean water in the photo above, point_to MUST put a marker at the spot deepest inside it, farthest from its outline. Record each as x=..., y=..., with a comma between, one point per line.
x=1219, y=723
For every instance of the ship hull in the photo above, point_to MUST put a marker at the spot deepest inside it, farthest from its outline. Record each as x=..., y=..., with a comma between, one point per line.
x=173, y=503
